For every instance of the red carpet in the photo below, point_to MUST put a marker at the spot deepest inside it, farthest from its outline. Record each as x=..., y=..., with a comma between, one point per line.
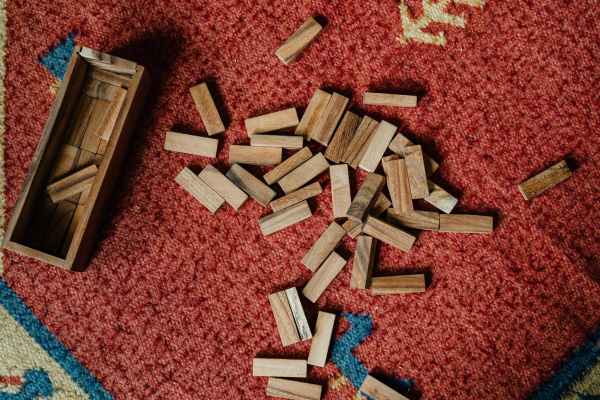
x=174, y=303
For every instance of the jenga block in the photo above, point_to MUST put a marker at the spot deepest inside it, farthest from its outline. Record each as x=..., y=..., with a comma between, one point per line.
x=65, y=162
x=108, y=62
x=59, y=224
x=330, y=118
x=377, y=390
x=283, y=218
x=279, y=367
x=323, y=277
x=286, y=325
x=73, y=225
x=545, y=180
x=80, y=118
x=251, y=185
x=354, y=228
x=319, y=345
x=440, y=199
x=72, y=190
x=424, y=220
x=295, y=44
x=308, y=191
x=390, y=100
x=195, y=186
x=398, y=284
x=367, y=194
x=417, y=176
x=207, y=109
x=287, y=166
x=388, y=234
x=342, y=137
x=312, y=114
x=223, y=186
x=364, y=259
x=399, y=145
x=298, y=313
x=87, y=158
x=254, y=155
x=340, y=190
x=102, y=90
x=112, y=115
x=323, y=247
x=72, y=179
x=293, y=390
x=359, y=143
x=92, y=133
x=110, y=78
x=283, y=141
x=377, y=145
x=464, y=223
x=398, y=184
x=304, y=173
x=274, y=121
x=102, y=147
x=191, y=144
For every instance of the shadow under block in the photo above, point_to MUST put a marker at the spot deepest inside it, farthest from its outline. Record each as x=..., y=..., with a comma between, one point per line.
x=281, y=367
x=254, y=155
x=388, y=234
x=377, y=146
x=293, y=390
x=399, y=146
x=364, y=260
x=323, y=247
x=319, y=345
x=360, y=141
x=191, y=144
x=298, y=313
x=308, y=191
x=342, y=137
x=301, y=175
x=218, y=182
x=390, y=100
x=195, y=186
x=417, y=176
x=274, y=121
x=340, y=190
x=321, y=279
x=287, y=166
x=250, y=184
x=312, y=114
x=283, y=141
x=398, y=284
x=464, y=223
x=424, y=220
x=284, y=319
x=329, y=119
x=545, y=180
x=398, y=183
x=366, y=196
x=440, y=199
x=207, y=109
x=284, y=218
x=377, y=390
x=295, y=44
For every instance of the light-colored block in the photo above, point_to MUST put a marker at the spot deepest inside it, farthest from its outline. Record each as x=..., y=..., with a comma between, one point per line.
x=283, y=141
x=398, y=284
x=323, y=247
x=293, y=390
x=417, y=176
x=398, y=183
x=218, y=182
x=296, y=43
x=364, y=260
x=319, y=345
x=424, y=220
x=360, y=141
x=354, y=228
x=284, y=218
x=287, y=166
x=390, y=100
x=313, y=113
x=250, y=184
x=191, y=144
x=270, y=122
x=399, y=145
x=321, y=279
x=282, y=367
x=340, y=190
x=329, y=119
x=342, y=137
x=377, y=145
x=545, y=180
x=282, y=312
x=304, y=193
x=308, y=170
x=200, y=190
x=298, y=313
x=207, y=109
x=377, y=390
x=366, y=196
x=440, y=199
x=464, y=223
x=254, y=155
x=389, y=234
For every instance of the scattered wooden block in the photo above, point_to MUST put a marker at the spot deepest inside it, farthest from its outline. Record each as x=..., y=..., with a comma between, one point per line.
x=545, y=180
x=283, y=141
x=295, y=44
x=323, y=277
x=377, y=145
x=417, y=176
x=287, y=166
x=359, y=143
x=65, y=162
x=195, y=186
x=314, y=112
x=464, y=223
x=223, y=186
x=342, y=137
x=398, y=183
x=254, y=155
x=274, y=121
x=284, y=318
x=399, y=145
x=298, y=313
x=340, y=190
x=440, y=199
x=365, y=197
x=304, y=173
x=424, y=220
x=323, y=247
x=293, y=390
x=398, y=284
x=282, y=219
x=388, y=234
x=354, y=228
x=364, y=260
x=207, y=109
x=250, y=184
x=72, y=184
x=330, y=118
x=321, y=340
x=390, y=100
x=308, y=191
x=377, y=390
x=191, y=144
x=283, y=367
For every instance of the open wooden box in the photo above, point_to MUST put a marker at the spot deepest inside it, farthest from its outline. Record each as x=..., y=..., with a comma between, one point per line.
x=90, y=122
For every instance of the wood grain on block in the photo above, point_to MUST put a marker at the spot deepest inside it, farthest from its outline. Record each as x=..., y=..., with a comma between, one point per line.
x=424, y=220
x=398, y=284
x=102, y=147
x=87, y=158
x=323, y=277
x=312, y=114
x=64, y=162
x=90, y=140
x=390, y=100
x=108, y=62
x=377, y=146
x=465, y=223
x=254, y=155
x=112, y=114
x=545, y=180
x=377, y=390
x=79, y=121
x=342, y=137
x=110, y=78
x=364, y=259
x=218, y=182
x=389, y=234
x=59, y=224
x=399, y=145
x=398, y=183
x=283, y=141
x=250, y=184
x=340, y=190
x=440, y=199
x=360, y=141
x=323, y=247
x=293, y=390
x=283, y=367
x=283, y=218
x=207, y=109
x=304, y=193
x=191, y=144
x=101, y=90
x=366, y=196
x=417, y=177
x=287, y=166
x=284, y=319
x=70, y=232
x=319, y=345
x=274, y=121
x=195, y=186
x=301, y=175
x=70, y=191
x=298, y=313
x=295, y=44
x=330, y=118
x=354, y=228
x=72, y=179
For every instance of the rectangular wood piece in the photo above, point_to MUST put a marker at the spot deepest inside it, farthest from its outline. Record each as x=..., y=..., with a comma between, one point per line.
x=364, y=260
x=319, y=345
x=284, y=319
x=360, y=141
x=366, y=196
x=281, y=367
x=398, y=183
x=191, y=144
x=293, y=390
x=287, y=166
x=270, y=122
x=295, y=44
x=389, y=99
x=378, y=144
x=424, y=220
x=464, y=223
x=545, y=180
x=70, y=191
x=377, y=390
x=321, y=279
x=340, y=190
x=329, y=119
x=207, y=109
x=254, y=155
x=250, y=184
x=308, y=170
x=298, y=313
x=342, y=137
x=354, y=228
x=304, y=193
x=312, y=115
x=399, y=146
x=398, y=284
x=324, y=246
x=283, y=141
x=440, y=199
x=218, y=182
x=417, y=177
x=284, y=218
x=389, y=234
x=200, y=190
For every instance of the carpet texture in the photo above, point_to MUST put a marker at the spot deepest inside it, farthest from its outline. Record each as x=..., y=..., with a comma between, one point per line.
x=174, y=303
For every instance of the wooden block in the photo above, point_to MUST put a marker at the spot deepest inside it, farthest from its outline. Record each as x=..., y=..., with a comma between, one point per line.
x=398, y=183
x=191, y=144
x=112, y=114
x=286, y=325
x=354, y=228
x=195, y=186
x=293, y=390
x=377, y=390
x=79, y=120
x=287, y=166
x=254, y=155
x=251, y=185
x=101, y=90
x=342, y=137
x=364, y=260
x=223, y=186
x=308, y=191
x=279, y=367
x=399, y=144
x=308, y=170
x=64, y=162
x=398, y=284
x=340, y=190
x=377, y=146
x=323, y=277
x=295, y=44
x=424, y=220
x=207, y=109
x=72, y=179
x=417, y=176
x=298, y=313
x=87, y=158
x=274, y=121
x=70, y=191
x=312, y=114
x=110, y=78
x=323, y=247
x=92, y=133
x=108, y=62
x=364, y=199
x=330, y=118
x=359, y=143
x=464, y=223
x=59, y=224
x=102, y=147
x=319, y=345
x=73, y=225
x=388, y=234
x=283, y=141
x=545, y=180
x=390, y=100
x=440, y=199
x=284, y=218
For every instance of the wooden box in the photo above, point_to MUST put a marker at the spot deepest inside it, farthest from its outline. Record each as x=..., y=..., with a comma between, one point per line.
x=91, y=121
